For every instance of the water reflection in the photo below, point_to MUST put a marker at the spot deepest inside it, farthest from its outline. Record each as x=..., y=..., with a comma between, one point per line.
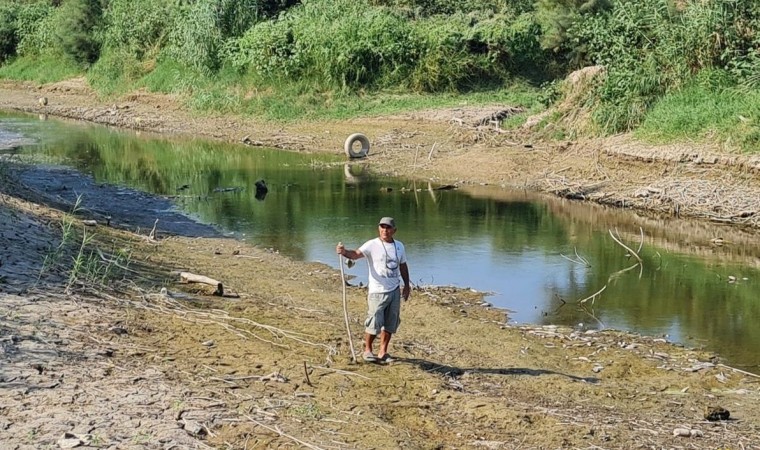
x=509, y=243
x=356, y=173
x=261, y=190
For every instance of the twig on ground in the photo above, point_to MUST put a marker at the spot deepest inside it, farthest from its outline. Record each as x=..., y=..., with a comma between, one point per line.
x=306, y=372
x=342, y=372
x=285, y=435
x=739, y=370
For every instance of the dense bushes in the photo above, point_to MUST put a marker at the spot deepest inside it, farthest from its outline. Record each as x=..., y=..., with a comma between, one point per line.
x=340, y=43
x=653, y=47
x=8, y=35
x=350, y=44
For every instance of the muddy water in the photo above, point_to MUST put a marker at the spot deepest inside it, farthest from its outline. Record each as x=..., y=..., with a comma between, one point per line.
x=539, y=257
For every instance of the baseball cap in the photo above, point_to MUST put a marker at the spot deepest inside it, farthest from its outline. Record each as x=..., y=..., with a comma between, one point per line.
x=388, y=221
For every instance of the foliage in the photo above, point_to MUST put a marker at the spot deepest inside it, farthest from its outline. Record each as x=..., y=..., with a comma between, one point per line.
x=76, y=21
x=707, y=108
x=41, y=68
x=136, y=27
x=653, y=47
x=353, y=45
x=8, y=35
x=559, y=17
x=426, y=8
x=68, y=30
x=290, y=58
x=340, y=43
x=200, y=29
x=31, y=26
x=458, y=52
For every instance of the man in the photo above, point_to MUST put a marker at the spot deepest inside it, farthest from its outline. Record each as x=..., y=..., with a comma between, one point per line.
x=386, y=259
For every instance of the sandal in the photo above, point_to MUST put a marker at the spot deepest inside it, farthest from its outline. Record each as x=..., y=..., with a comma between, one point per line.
x=369, y=357
x=387, y=358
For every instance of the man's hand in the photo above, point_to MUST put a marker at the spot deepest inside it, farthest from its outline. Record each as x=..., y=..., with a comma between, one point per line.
x=340, y=249
x=405, y=292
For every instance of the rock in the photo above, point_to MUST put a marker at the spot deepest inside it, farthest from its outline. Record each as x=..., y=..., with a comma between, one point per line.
x=193, y=428
x=69, y=440
x=118, y=330
x=715, y=413
x=684, y=432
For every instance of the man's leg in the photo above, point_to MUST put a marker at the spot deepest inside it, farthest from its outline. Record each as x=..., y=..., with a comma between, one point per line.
x=385, y=339
x=368, y=340
x=391, y=321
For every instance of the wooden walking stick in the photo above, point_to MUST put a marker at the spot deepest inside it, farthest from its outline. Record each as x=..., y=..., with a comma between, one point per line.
x=345, y=309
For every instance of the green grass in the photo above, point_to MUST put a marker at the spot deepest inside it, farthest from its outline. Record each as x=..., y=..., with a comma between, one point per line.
x=42, y=69
x=230, y=92
x=697, y=113
x=294, y=102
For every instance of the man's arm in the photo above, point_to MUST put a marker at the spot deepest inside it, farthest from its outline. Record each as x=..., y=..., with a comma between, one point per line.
x=405, y=276
x=350, y=254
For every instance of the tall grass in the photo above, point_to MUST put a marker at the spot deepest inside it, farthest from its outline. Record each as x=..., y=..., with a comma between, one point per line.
x=41, y=69
x=85, y=266
x=702, y=112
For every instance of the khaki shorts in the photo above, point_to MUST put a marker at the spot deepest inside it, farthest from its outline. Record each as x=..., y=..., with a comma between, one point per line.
x=384, y=312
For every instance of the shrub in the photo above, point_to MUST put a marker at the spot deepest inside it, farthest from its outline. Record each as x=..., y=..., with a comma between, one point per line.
x=32, y=27
x=135, y=26
x=201, y=29
x=339, y=43
x=652, y=47
x=74, y=29
x=8, y=35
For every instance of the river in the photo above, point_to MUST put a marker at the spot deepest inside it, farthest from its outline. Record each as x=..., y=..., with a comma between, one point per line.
x=544, y=260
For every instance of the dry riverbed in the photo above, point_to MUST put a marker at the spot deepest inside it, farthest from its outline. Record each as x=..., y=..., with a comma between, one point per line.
x=139, y=360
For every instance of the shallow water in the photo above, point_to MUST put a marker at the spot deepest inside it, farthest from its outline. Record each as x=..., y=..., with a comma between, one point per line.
x=537, y=256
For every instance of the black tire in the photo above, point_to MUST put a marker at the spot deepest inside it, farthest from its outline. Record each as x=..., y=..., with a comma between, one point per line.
x=349, y=146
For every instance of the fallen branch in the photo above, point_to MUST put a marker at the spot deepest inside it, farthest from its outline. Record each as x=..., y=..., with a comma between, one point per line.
x=739, y=370
x=620, y=272
x=188, y=277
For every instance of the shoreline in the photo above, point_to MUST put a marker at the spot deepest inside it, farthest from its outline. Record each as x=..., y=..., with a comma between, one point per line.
x=679, y=180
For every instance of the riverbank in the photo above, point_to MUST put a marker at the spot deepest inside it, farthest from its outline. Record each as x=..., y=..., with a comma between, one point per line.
x=449, y=146
x=148, y=362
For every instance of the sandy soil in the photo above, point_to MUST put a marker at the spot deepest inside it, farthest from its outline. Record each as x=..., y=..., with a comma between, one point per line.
x=144, y=361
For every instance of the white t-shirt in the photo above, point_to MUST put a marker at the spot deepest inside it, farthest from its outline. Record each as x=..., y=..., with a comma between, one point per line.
x=383, y=259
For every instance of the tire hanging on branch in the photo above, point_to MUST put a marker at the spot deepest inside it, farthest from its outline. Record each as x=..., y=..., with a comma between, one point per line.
x=354, y=152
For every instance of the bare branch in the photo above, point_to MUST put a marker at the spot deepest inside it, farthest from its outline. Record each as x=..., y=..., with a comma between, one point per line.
x=635, y=255
x=578, y=259
x=593, y=296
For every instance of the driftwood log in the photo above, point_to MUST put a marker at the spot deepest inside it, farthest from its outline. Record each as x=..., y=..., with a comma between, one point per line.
x=188, y=277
